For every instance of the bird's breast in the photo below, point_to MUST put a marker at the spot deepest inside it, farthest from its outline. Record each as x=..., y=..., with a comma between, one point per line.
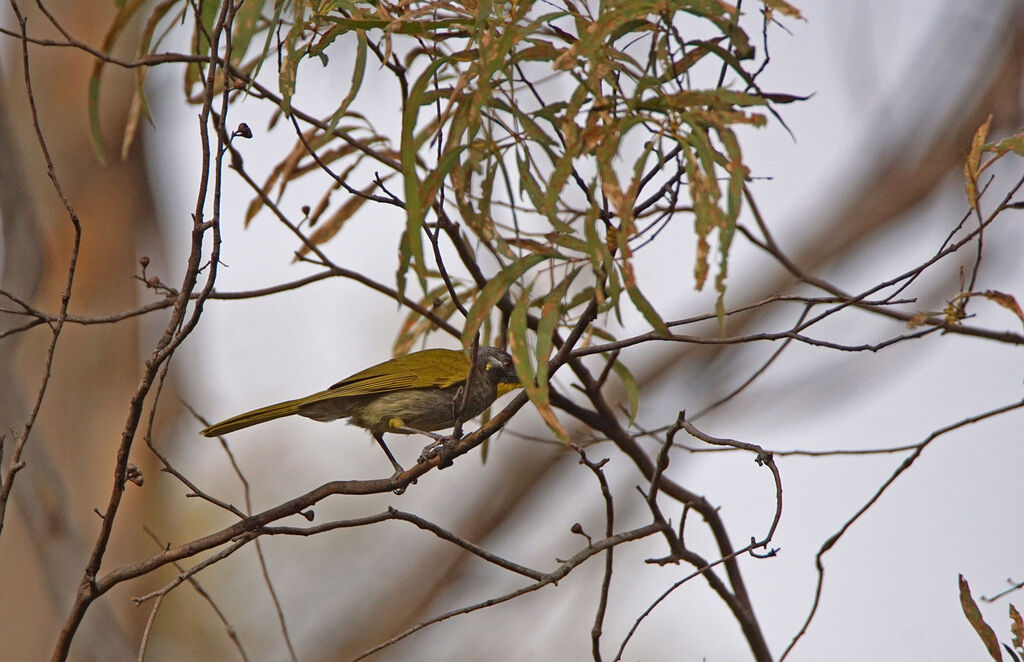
x=423, y=409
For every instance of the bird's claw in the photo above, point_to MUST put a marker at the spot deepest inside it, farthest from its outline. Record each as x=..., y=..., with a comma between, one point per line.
x=441, y=449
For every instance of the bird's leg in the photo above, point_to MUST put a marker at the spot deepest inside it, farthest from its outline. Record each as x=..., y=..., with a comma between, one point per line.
x=387, y=451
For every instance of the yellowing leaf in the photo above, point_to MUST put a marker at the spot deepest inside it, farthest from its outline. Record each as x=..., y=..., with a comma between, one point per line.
x=548, y=414
x=783, y=7
x=534, y=383
x=1013, y=144
x=973, y=164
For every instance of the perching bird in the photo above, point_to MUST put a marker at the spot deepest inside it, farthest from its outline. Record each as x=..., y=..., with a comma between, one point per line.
x=418, y=392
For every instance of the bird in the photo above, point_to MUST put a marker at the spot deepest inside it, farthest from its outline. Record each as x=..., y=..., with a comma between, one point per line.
x=417, y=393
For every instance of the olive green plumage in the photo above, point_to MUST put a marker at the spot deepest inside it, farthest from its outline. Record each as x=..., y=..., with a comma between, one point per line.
x=421, y=391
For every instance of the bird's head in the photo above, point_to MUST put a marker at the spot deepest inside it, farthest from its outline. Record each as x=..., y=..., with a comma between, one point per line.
x=497, y=368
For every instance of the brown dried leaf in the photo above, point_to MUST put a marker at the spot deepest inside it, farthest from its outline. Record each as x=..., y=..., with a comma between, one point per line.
x=974, y=617
x=1006, y=301
x=1017, y=628
x=331, y=227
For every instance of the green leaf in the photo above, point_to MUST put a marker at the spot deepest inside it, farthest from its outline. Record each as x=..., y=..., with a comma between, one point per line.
x=518, y=345
x=200, y=41
x=358, y=72
x=410, y=27
x=289, y=71
x=279, y=6
x=551, y=111
x=699, y=158
x=411, y=248
x=564, y=164
x=124, y=14
x=245, y=28
x=485, y=447
x=140, y=104
x=632, y=388
x=580, y=298
x=738, y=173
x=207, y=17
x=533, y=131
x=550, y=315
x=408, y=250
x=1013, y=144
x=596, y=248
x=528, y=183
x=432, y=182
x=95, y=130
x=540, y=50
x=492, y=293
x=641, y=302
x=630, y=27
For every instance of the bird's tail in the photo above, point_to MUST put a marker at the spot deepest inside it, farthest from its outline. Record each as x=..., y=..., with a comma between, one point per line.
x=261, y=415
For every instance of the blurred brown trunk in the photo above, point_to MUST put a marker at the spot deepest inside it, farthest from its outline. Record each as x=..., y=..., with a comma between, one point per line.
x=70, y=454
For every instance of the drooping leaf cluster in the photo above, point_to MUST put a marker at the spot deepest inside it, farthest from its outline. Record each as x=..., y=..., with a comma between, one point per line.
x=546, y=141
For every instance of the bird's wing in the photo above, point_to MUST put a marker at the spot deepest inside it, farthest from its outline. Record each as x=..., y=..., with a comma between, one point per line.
x=438, y=368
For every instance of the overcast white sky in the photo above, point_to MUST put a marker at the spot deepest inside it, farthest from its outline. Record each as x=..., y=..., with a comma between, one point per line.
x=891, y=583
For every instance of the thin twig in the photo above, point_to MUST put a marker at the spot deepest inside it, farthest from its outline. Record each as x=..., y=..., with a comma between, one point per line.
x=16, y=463
x=194, y=583
x=606, y=579
x=395, y=514
x=757, y=373
x=907, y=462
x=761, y=456
x=552, y=577
x=1014, y=586
x=248, y=511
x=178, y=327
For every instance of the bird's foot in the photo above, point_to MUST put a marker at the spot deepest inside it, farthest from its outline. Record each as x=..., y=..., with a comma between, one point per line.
x=441, y=449
x=433, y=449
x=394, y=477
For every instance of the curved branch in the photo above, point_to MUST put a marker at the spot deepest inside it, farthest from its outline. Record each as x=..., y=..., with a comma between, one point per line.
x=907, y=462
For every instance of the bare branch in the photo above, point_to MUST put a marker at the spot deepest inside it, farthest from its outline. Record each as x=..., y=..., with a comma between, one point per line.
x=552, y=577
x=906, y=464
x=16, y=464
x=606, y=581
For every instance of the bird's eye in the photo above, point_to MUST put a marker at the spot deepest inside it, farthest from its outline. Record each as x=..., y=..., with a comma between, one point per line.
x=488, y=366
